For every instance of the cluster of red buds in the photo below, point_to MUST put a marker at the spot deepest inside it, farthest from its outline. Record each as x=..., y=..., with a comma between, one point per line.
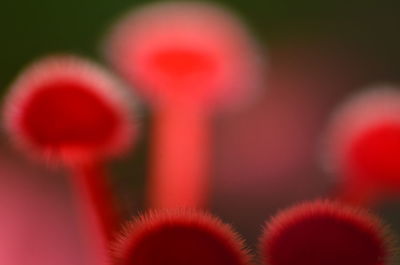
x=191, y=61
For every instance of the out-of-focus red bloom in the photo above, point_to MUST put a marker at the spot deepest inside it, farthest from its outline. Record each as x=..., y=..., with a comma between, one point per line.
x=66, y=109
x=326, y=233
x=188, y=59
x=186, y=52
x=364, y=144
x=180, y=237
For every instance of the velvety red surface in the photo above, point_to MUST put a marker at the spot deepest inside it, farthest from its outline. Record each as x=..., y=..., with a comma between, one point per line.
x=374, y=155
x=323, y=233
x=180, y=238
x=182, y=246
x=65, y=114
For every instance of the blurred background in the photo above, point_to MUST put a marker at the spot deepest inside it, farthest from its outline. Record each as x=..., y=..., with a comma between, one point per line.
x=265, y=157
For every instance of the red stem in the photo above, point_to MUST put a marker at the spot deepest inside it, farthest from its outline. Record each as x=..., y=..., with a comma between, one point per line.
x=92, y=182
x=180, y=155
x=361, y=194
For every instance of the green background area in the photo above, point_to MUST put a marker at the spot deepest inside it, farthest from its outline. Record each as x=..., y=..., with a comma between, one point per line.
x=30, y=29
x=33, y=28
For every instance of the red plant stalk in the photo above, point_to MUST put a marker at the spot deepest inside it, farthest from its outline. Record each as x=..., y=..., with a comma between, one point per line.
x=180, y=158
x=358, y=193
x=190, y=60
x=67, y=111
x=91, y=179
x=94, y=220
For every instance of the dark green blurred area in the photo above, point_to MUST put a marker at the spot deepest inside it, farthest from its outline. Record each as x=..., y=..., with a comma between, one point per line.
x=370, y=29
x=30, y=29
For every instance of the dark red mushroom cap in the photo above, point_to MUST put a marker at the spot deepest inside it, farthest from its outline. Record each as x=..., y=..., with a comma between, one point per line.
x=327, y=233
x=179, y=237
x=67, y=109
